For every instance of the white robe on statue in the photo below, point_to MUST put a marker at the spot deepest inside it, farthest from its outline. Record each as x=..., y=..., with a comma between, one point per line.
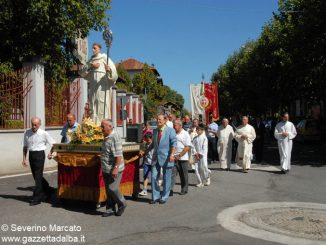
x=200, y=145
x=244, y=152
x=224, y=145
x=100, y=86
x=285, y=143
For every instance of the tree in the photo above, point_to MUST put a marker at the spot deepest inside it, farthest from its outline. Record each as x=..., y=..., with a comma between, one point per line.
x=47, y=29
x=154, y=93
x=287, y=62
x=126, y=82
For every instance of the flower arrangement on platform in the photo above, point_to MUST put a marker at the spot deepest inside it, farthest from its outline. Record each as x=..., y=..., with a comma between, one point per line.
x=86, y=133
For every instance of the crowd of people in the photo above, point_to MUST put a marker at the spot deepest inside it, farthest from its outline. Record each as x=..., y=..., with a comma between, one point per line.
x=193, y=143
x=169, y=150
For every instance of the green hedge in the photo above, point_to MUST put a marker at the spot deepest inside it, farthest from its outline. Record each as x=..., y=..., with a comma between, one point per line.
x=14, y=124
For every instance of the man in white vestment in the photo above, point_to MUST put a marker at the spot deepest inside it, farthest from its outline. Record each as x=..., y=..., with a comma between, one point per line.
x=193, y=133
x=225, y=136
x=193, y=130
x=199, y=152
x=285, y=132
x=245, y=134
x=102, y=75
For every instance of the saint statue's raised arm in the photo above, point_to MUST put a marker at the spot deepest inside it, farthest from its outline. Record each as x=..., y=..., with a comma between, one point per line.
x=102, y=74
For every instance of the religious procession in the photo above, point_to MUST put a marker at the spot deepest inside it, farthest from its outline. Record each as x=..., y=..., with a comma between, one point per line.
x=175, y=147
x=108, y=124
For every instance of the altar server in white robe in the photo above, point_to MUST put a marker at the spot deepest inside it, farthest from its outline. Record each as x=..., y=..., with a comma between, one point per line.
x=245, y=134
x=285, y=132
x=225, y=136
x=199, y=152
x=102, y=74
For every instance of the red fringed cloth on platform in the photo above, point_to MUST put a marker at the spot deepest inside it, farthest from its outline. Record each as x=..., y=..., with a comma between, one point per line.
x=80, y=177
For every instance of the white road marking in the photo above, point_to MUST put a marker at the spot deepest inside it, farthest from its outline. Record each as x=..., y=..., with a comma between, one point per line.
x=24, y=174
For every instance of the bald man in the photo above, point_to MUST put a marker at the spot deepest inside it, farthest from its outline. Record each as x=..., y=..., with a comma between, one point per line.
x=35, y=142
x=244, y=135
x=225, y=136
x=71, y=125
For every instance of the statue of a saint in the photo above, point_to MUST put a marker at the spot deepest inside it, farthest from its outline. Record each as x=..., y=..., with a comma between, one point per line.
x=102, y=74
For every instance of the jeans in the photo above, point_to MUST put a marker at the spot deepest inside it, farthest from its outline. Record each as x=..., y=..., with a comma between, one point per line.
x=167, y=173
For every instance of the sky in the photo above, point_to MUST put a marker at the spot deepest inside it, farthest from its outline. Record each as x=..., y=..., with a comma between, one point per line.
x=184, y=39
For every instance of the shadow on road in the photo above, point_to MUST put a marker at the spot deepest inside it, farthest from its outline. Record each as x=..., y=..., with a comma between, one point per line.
x=22, y=198
x=77, y=206
x=303, y=154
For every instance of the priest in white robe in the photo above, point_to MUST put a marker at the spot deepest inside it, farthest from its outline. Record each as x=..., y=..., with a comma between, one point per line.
x=285, y=132
x=102, y=75
x=245, y=135
x=225, y=136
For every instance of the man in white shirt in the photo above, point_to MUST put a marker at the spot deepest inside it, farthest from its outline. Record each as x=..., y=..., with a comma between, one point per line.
x=35, y=142
x=285, y=132
x=181, y=156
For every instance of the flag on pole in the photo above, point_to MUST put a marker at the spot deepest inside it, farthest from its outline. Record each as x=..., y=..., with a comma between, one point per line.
x=204, y=101
x=196, y=108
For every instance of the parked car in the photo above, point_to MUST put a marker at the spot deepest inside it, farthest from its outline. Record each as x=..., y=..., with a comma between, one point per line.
x=308, y=130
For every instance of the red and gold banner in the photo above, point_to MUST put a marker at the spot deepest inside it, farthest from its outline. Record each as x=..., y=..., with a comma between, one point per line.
x=211, y=109
x=204, y=101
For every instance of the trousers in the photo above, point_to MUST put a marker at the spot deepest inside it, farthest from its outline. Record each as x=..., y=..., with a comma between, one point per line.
x=113, y=193
x=181, y=167
x=167, y=173
x=42, y=188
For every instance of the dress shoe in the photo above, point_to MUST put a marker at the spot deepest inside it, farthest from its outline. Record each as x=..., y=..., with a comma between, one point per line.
x=162, y=201
x=34, y=202
x=153, y=201
x=121, y=210
x=183, y=192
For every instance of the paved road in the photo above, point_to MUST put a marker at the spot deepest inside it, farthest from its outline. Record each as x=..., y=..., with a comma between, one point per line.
x=189, y=219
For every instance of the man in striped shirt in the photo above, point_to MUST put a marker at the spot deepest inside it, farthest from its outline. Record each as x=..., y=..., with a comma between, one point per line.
x=112, y=167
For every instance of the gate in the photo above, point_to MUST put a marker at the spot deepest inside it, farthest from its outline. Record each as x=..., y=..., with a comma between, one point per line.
x=14, y=102
x=60, y=100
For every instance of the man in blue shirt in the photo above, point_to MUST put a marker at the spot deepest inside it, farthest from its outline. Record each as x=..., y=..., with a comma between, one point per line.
x=212, y=141
x=71, y=125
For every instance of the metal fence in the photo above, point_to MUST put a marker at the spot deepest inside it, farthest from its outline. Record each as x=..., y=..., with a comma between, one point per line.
x=14, y=102
x=61, y=99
